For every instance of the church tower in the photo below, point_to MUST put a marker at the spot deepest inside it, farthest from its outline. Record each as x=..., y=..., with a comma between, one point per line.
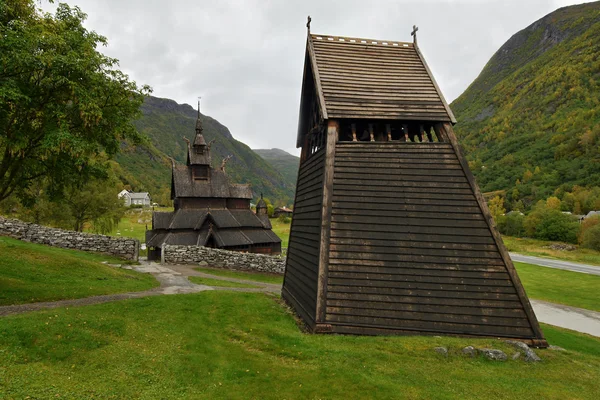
x=209, y=210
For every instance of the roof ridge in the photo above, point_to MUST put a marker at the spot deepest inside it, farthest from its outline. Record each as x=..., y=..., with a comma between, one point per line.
x=374, y=42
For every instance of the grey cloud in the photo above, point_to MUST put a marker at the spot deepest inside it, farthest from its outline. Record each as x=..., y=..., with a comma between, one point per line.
x=245, y=58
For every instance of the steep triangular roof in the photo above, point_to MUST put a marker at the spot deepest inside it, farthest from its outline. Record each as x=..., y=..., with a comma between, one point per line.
x=375, y=79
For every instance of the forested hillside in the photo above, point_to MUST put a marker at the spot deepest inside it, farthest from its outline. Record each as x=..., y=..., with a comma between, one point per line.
x=166, y=123
x=283, y=162
x=530, y=123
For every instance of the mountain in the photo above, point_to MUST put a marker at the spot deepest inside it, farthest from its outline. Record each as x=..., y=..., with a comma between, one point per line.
x=530, y=123
x=283, y=162
x=165, y=123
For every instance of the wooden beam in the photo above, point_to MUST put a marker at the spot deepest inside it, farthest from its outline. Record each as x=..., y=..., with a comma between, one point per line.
x=450, y=114
x=316, y=77
x=448, y=132
x=333, y=128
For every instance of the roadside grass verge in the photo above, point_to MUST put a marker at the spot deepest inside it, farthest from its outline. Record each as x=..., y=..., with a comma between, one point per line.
x=33, y=273
x=225, y=345
x=539, y=248
x=563, y=287
x=217, y=282
x=249, y=276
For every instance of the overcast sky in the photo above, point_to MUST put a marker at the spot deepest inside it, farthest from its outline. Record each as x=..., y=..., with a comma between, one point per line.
x=245, y=58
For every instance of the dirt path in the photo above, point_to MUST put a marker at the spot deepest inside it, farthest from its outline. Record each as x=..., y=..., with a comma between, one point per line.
x=173, y=280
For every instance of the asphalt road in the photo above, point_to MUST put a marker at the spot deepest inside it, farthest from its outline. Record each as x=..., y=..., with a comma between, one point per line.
x=576, y=319
x=566, y=265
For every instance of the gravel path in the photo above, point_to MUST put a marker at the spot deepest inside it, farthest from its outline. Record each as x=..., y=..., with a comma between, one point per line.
x=173, y=280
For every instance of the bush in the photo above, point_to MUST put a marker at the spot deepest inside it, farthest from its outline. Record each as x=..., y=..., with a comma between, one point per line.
x=284, y=219
x=590, y=238
x=554, y=225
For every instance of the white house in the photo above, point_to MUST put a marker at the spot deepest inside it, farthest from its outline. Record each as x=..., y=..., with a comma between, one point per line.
x=133, y=199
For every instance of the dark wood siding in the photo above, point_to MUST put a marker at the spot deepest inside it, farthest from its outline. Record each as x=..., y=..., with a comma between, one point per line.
x=302, y=266
x=410, y=249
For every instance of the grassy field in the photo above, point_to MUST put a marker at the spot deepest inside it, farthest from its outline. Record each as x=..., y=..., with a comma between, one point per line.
x=217, y=282
x=282, y=230
x=134, y=223
x=558, y=286
x=223, y=345
x=249, y=276
x=539, y=248
x=32, y=272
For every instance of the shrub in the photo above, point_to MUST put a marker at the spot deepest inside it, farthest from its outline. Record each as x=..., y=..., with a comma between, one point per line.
x=284, y=219
x=590, y=238
x=554, y=225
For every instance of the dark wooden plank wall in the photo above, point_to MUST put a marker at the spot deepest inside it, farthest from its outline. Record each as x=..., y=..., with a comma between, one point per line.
x=302, y=265
x=410, y=250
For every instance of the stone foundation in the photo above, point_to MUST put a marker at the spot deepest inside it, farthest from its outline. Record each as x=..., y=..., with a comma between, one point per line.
x=126, y=248
x=172, y=254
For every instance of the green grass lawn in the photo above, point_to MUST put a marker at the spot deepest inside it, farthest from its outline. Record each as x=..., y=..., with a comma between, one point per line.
x=224, y=345
x=282, y=230
x=558, y=286
x=539, y=248
x=216, y=282
x=32, y=272
x=134, y=223
x=249, y=276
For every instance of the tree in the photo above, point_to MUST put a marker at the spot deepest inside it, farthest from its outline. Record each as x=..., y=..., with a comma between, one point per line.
x=534, y=218
x=62, y=103
x=94, y=202
x=496, y=206
x=512, y=224
x=551, y=224
x=553, y=203
x=587, y=224
x=270, y=208
x=591, y=238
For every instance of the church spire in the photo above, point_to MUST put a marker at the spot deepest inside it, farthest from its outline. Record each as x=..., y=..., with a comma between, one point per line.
x=199, y=140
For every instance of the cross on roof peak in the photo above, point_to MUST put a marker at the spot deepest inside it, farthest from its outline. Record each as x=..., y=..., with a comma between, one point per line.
x=414, y=33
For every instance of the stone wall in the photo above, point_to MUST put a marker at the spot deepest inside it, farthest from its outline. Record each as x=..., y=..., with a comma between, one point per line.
x=172, y=254
x=126, y=248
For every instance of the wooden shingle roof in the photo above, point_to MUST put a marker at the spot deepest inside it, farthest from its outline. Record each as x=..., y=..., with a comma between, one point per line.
x=218, y=186
x=374, y=79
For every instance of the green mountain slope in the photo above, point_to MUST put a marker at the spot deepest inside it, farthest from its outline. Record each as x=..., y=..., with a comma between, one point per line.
x=166, y=123
x=283, y=162
x=530, y=123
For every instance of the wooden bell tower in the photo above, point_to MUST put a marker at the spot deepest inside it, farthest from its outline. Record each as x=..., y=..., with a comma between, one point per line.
x=391, y=234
